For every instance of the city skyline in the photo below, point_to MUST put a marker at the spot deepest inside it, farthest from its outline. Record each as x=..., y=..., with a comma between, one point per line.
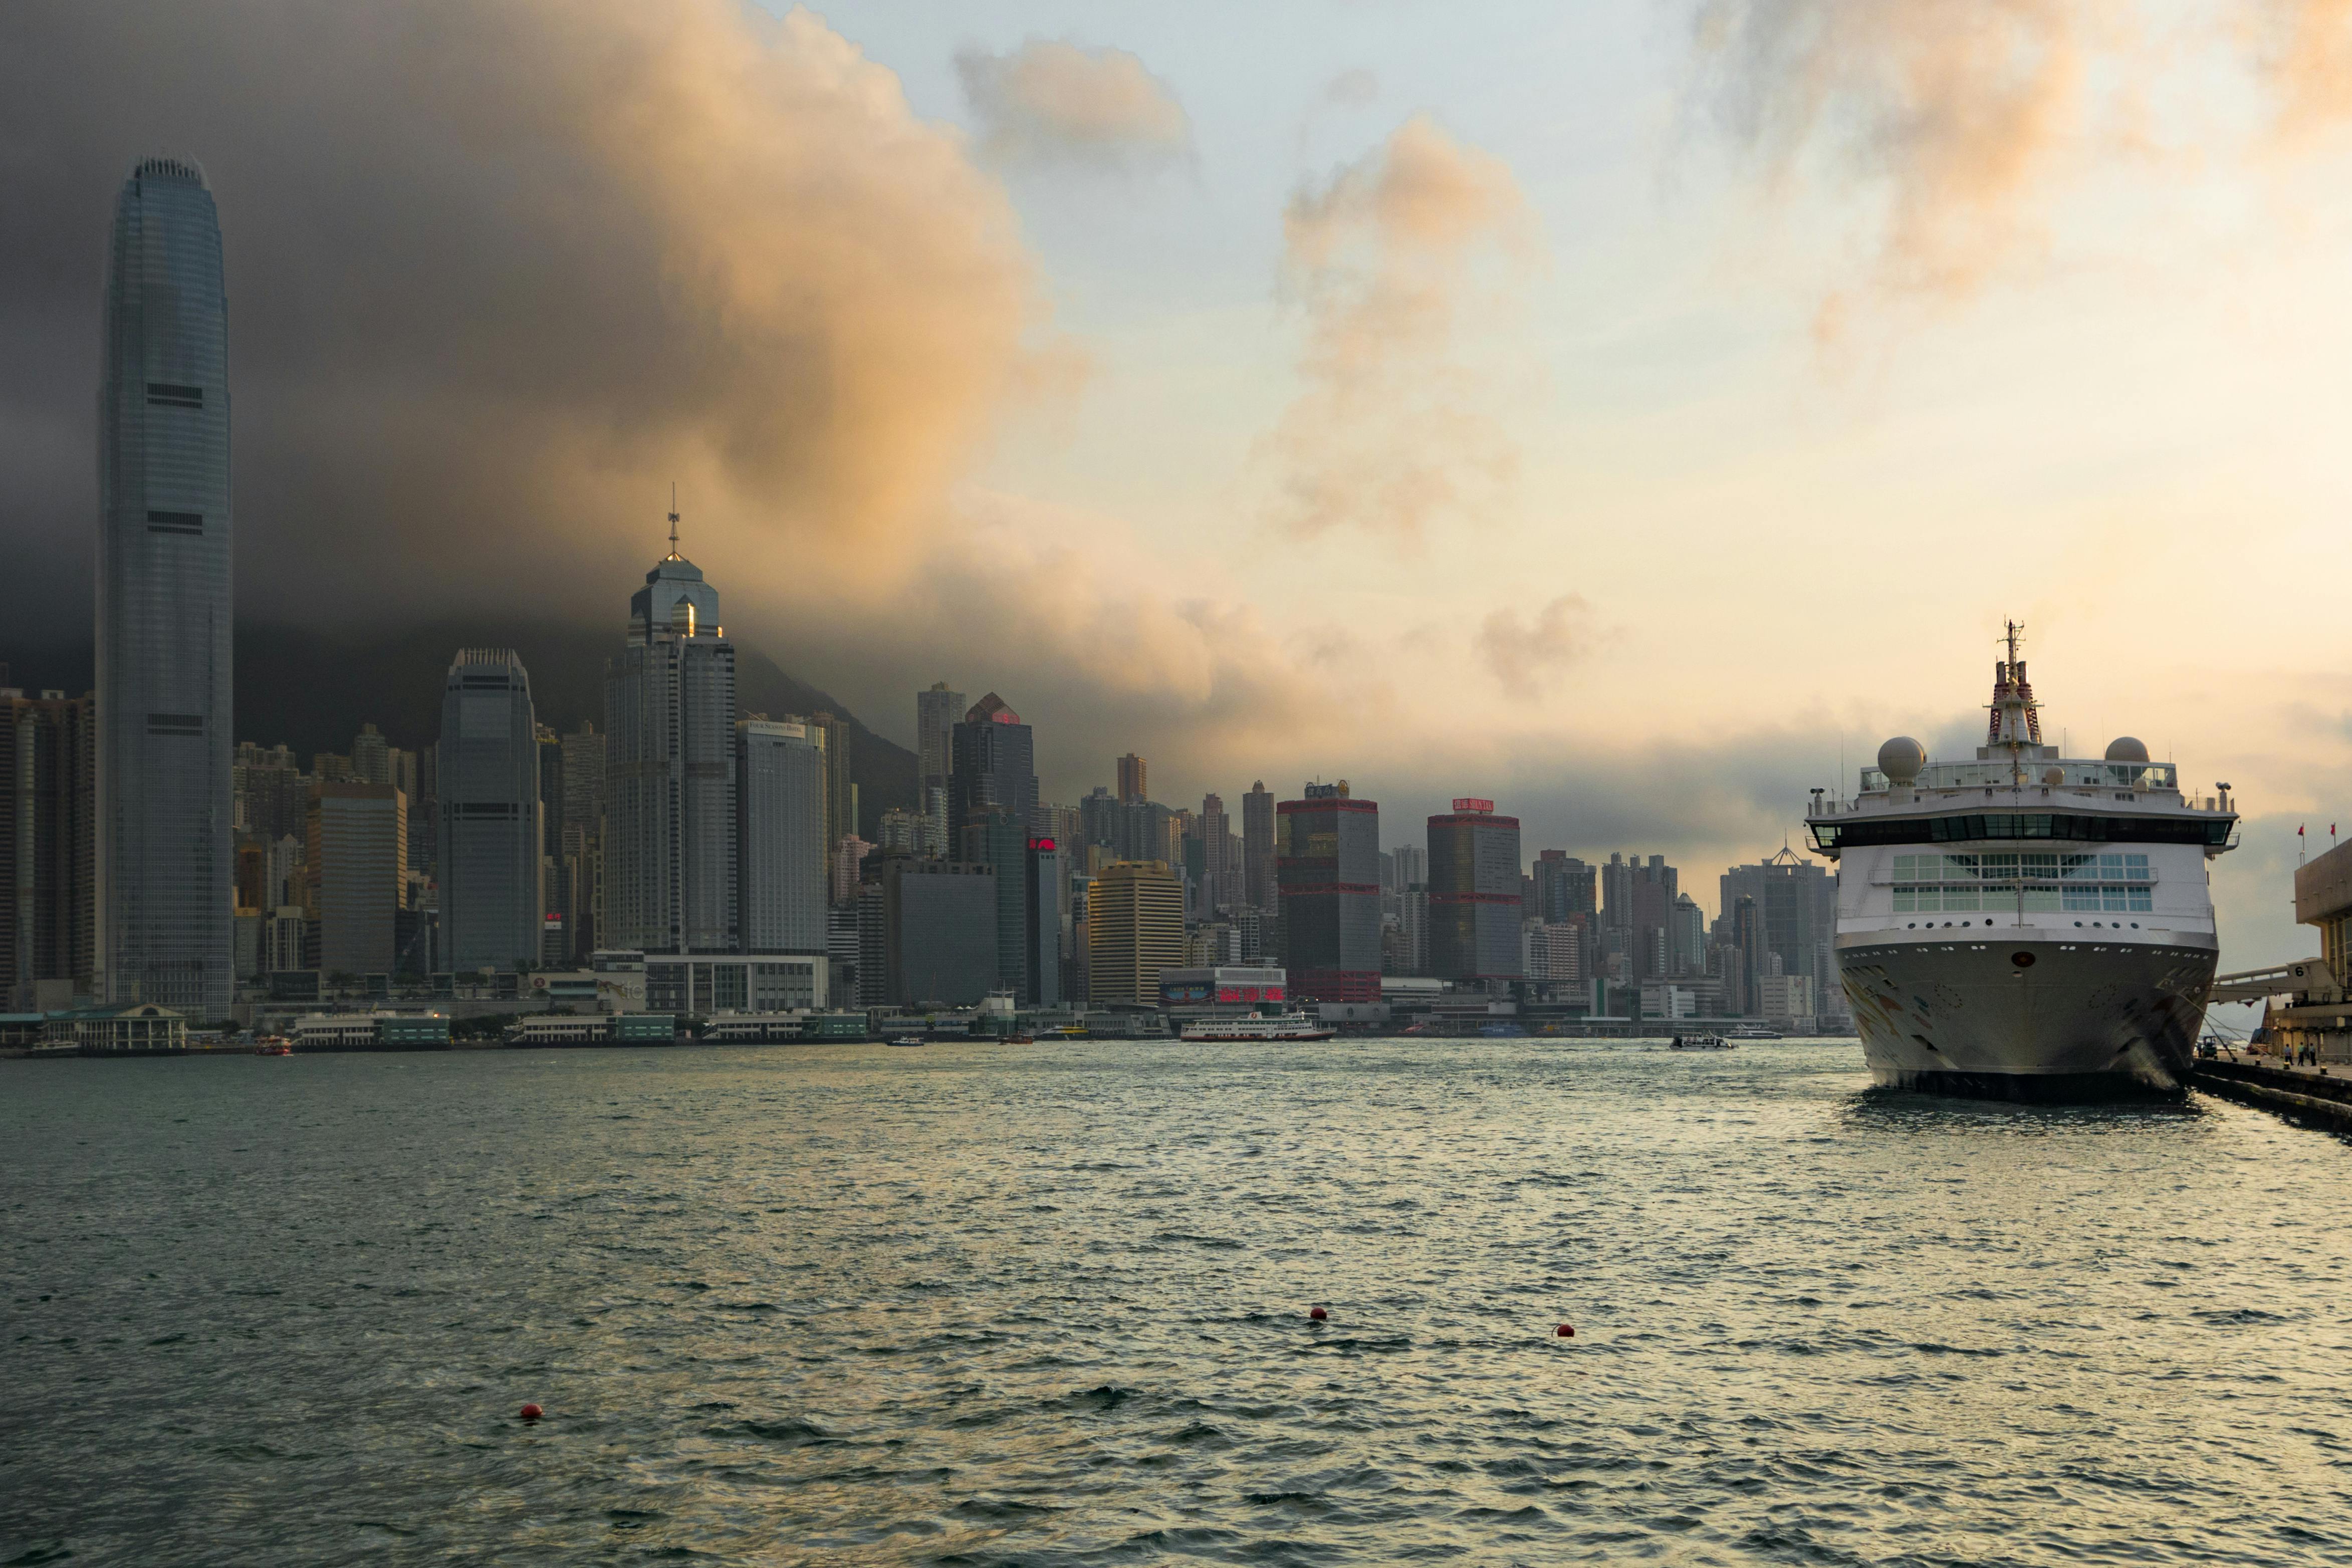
x=1734, y=494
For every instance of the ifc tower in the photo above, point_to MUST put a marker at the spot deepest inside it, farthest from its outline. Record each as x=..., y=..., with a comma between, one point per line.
x=165, y=866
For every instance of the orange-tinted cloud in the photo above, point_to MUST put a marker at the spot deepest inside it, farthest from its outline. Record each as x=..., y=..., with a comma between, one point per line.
x=1053, y=101
x=2305, y=48
x=1391, y=433
x=1528, y=654
x=1956, y=110
x=498, y=273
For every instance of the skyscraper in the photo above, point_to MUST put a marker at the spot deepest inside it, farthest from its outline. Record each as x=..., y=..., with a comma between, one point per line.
x=560, y=928
x=1135, y=928
x=357, y=859
x=997, y=837
x=1041, y=959
x=1257, y=847
x=995, y=765
x=936, y=712
x=491, y=839
x=371, y=757
x=584, y=836
x=47, y=847
x=1328, y=865
x=669, y=770
x=1132, y=779
x=1796, y=902
x=840, y=794
x=165, y=864
x=1224, y=879
x=1474, y=894
x=936, y=937
x=780, y=776
x=1564, y=886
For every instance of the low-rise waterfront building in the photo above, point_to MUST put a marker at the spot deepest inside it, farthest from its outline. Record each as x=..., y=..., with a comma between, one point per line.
x=372, y=1032
x=138, y=1028
x=703, y=984
x=588, y=1029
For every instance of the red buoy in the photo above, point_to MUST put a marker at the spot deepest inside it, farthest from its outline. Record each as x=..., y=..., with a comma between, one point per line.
x=532, y=1412
x=1318, y=1314
x=1566, y=1332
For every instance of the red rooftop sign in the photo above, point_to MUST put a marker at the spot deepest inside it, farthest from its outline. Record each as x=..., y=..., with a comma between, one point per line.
x=1466, y=803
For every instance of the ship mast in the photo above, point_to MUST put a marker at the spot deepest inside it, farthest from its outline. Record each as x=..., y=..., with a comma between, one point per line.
x=2016, y=721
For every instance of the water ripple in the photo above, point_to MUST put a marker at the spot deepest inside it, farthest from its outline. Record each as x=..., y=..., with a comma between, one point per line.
x=1046, y=1305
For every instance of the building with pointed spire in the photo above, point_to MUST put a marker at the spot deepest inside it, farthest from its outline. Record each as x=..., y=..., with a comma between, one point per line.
x=165, y=864
x=669, y=770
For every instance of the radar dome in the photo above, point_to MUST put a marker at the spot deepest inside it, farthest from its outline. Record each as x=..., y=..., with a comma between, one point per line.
x=2126, y=749
x=1901, y=759
x=2054, y=775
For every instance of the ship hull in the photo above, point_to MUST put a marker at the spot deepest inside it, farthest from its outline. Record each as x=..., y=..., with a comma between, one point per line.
x=2074, y=1022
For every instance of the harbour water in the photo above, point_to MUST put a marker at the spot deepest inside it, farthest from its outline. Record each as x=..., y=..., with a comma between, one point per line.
x=1047, y=1304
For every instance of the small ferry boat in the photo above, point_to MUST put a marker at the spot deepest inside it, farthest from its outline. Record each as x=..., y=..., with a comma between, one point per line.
x=907, y=1039
x=273, y=1045
x=1257, y=1026
x=1698, y=1042
x=1751, y=1031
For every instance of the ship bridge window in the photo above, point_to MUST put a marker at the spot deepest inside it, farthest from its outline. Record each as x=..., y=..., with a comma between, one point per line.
x=2212, y=830
x=2032, y=880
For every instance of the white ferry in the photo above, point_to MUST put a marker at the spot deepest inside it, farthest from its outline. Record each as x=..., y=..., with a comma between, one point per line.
x=1257, y=1026
x=1699, y=1043
x=2025, y=925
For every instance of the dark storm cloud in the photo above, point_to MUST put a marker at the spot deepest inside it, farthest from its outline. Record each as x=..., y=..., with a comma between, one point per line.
x=497, y=275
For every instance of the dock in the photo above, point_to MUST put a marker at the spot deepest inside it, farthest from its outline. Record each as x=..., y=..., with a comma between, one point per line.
x=2316, y=1096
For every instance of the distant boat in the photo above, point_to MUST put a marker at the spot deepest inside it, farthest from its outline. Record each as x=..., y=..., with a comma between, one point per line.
x=907, y=1039
x=1751, y=1031
x=272, y=1045
x=1699, y=1043
x=1289, y=1025
x=1020, y=1039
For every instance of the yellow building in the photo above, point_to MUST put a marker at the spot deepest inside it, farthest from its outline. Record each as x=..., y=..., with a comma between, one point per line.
x=1135, y=928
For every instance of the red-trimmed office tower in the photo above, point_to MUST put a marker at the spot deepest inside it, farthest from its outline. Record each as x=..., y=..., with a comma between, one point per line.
x=1327, y=867
x=1474, y=894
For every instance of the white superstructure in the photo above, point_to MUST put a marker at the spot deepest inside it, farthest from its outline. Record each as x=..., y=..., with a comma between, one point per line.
x=1257, y=1026
x=2024, y=924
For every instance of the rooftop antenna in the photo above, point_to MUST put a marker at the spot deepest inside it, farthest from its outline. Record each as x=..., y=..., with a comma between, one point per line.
x=673, y=522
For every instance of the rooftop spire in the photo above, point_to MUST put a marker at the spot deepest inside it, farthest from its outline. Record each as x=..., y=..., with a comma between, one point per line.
x=673, y=523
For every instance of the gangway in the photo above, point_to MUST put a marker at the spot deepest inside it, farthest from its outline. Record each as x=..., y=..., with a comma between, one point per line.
x=2302, y=976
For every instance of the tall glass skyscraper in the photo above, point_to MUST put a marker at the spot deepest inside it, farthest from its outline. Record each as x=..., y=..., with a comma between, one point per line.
x=166, y=871
x=779, y=813
x=491, y=829
x=669, y=770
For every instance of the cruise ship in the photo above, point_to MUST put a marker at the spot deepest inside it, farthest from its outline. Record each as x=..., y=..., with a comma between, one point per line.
x=2025, y=925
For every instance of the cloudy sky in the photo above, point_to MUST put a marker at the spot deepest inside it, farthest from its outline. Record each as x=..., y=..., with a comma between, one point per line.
x=1633, y=412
